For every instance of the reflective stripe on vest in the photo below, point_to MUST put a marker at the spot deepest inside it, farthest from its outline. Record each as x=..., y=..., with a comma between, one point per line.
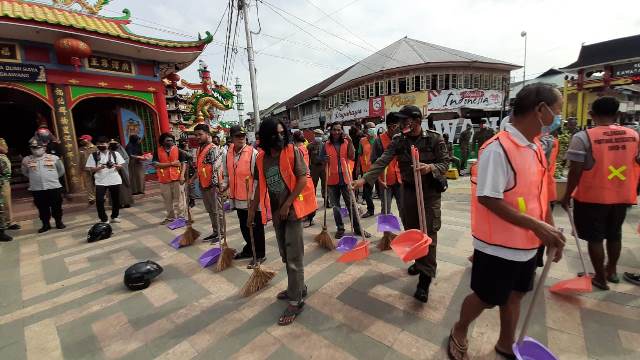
x=172, y=173
x=333, y=176
x=553, y=158
x=305, y=203
x=204, y=170
x=239, y=171
x=613, y=179
x=392, y=172
x=365, y=157
x=528, y=196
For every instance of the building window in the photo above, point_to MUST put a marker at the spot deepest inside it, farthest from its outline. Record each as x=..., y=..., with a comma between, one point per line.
x=410, y=83
x=505, y=82
x=347, y=95
x=434, y=81
x=336, y=100
x=467, y=81
x=423, y=82
x=460, y=81
x=476, y=81
x=454, y=81
x=440, y=85
x=341, y=97
x=394, y=86
x=447, y=79
x=355, y=94
x=485, y=81
x=330, y=102
x=382, y=87
x=363, y=92
x=372, y=90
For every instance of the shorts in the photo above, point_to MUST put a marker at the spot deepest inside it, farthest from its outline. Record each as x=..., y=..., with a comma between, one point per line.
x=596, y=222
x=494, y=278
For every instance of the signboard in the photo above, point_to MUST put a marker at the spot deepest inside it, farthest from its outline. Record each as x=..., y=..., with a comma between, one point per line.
x=309, y=121
x=396, y=102
x=131, y=125
x=22, y=72
x=454, y=127
x=9, y=52
x=452, y=100
x=101, y=63
x=629, y=69
x=66, y=134
x=359, y=110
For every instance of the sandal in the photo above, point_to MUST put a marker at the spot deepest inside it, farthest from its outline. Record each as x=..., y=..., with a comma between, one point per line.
x=455, y=350
x=290, y=314
x=505, y=354
x=599, y=285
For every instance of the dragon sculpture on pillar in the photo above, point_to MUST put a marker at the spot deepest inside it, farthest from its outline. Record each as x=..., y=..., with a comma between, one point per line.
x=92, y=9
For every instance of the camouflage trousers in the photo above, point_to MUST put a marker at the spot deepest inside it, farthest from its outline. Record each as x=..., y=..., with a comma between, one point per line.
x=3, y=214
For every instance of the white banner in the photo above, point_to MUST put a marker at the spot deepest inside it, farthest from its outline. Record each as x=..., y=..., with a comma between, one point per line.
x=351, y=111
x=454, y=127
x=455, y=99
x=309, y=121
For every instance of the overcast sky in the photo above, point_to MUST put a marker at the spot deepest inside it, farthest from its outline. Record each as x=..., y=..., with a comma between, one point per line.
x=491, y=28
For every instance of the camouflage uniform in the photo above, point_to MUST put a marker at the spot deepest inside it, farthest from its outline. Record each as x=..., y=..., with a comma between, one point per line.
x=5, y=173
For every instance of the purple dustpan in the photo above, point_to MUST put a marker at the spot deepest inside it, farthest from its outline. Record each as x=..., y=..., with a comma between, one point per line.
x=347, y=243
x=344, y=212
x=210, y=257
x=227, y=206
x=531, y=349
x=175, y=243
x=388, y=223
x=177, y=223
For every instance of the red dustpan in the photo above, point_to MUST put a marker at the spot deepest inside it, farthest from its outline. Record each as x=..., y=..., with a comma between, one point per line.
x=579, y=284
x=411, y=245
x=360, y=252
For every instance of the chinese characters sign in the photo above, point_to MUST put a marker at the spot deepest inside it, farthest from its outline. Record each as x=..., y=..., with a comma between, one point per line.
x=102, y=63
x=22, y=72
x=66, y=134
x=8, y=52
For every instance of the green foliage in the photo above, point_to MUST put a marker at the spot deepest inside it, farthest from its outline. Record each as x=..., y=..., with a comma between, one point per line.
x=561, y=164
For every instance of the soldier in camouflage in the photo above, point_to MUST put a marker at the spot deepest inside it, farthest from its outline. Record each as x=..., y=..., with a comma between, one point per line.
x=5, y=172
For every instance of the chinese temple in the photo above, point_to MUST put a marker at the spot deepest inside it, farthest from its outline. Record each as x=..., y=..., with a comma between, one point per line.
x=64, y=66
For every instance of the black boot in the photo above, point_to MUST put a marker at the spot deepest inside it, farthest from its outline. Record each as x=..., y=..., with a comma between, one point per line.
x=422, y=291
x=413, y=270
x=45, y=227
x=59, y=224
x=4, y=237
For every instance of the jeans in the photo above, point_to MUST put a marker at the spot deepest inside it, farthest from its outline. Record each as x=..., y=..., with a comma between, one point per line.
x=367, y=194
x=258, y=233
x=114, y=195
x=334, y=196
x=49, y=203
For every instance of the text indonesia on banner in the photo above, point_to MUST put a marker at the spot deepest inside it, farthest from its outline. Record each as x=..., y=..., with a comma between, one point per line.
x=455, y=99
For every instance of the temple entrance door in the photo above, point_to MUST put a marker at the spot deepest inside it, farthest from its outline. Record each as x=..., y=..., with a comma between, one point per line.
x=20, y=115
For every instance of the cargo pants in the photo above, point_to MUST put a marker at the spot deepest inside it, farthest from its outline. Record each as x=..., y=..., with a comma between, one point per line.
x=432, y=203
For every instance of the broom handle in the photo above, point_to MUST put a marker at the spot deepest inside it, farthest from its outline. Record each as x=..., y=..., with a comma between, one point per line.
x=253, y=244
x=575, y=236
x=187, y=194
x=536, y=293
x=326, y=195
x=417, y=177
x=353, y=200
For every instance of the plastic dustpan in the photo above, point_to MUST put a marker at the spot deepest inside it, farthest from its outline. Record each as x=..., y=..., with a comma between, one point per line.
x=575, y=285
x=177, y=223
x=210, y=257
x=175, y=243
x=360, y=252
x=388, y=223
x=344, y=212
x=531, y=349
x=411, y=244
x=227, y=206
x=346, y=243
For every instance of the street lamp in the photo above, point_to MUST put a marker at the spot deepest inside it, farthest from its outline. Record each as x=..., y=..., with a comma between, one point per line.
x=524, y=67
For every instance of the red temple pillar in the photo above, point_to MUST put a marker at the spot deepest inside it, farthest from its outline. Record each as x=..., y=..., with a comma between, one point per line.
x=161, y=107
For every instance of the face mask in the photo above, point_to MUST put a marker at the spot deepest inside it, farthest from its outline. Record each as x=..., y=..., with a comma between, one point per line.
x=37, y=152
x=168, y=145
x=102, y=147
x=280, y=141
x=371, y=132
x=325, y=137
x=555, y=124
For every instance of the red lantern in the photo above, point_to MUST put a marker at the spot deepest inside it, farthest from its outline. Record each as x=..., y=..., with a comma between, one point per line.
x=70, y=51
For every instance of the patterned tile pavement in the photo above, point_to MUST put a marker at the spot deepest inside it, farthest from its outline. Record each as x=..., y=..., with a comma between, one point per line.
x=64, y=298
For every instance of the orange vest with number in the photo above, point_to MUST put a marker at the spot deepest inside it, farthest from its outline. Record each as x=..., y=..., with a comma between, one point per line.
x=238, y=172
x=333, y=176
x=552, y=191
x=528, y=196
x=614, y=176
x=204, y=170
x=305, y=203
x=391, y=175
x=172, y=173
x=365, y=157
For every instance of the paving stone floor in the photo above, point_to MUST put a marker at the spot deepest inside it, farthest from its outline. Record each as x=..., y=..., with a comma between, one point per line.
x=61, y=297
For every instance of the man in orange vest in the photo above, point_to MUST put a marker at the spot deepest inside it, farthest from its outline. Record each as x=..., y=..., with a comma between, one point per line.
x=510, y=218
x=390, y=179
x=208, y=166
x=170, y=164
x=604, y=175
x=238, y=165
x=338, y=147
x=285, y=187
x=366, y=143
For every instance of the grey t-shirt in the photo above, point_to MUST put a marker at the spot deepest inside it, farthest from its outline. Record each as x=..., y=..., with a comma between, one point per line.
x=278, y=191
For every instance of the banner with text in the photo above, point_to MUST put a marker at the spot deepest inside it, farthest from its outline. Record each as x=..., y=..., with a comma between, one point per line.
x=396, y=102
x=358, y=110
x=452, y=100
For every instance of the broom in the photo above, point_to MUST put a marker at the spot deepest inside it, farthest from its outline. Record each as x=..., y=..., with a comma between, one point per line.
x=259, y=278
x=324, y=239
x=190, y=234
x=227, y=254
x=385, y=242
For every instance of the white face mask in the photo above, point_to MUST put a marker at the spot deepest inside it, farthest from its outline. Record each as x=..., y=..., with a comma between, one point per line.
x=37, y=152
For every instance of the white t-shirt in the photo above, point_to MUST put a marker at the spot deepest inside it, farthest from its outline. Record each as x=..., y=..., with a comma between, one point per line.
x=106, y=177
x=495, y=175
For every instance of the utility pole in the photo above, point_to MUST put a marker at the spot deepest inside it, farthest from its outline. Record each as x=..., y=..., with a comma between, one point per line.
x=242, y=6
x=524, y=66
x=239, y=103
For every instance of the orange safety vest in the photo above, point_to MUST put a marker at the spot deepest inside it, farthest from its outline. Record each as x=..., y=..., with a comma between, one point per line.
x=552, y=191
x=333, y=176
x=614, y=176
x=239, y=172
x=391, y=176
x=305, y=203
x=170, y=174
x=365, y=157
x=205, y=171
x=305, y=154
x=529, y=196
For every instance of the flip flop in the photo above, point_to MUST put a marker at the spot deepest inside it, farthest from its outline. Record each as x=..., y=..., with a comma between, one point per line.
x=504, y=354
x=455, y=351
x=599, y=285
x=291, y=312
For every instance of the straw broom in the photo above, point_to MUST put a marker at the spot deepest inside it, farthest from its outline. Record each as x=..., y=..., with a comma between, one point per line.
x=259, y=278
x=190, y=234
x=324, y=239
x=227, y=254
x=385, y=242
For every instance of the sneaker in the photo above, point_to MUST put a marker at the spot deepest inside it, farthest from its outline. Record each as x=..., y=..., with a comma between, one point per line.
x=413, y=270
x=166, y=221
x=60, y=225
x=339, y=234
x=259, y=261
x=14, y=227
x=44, y=228
x=213, y=238
x=115, y=220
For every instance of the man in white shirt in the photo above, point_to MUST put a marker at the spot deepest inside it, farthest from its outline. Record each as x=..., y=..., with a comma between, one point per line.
x=104, y=165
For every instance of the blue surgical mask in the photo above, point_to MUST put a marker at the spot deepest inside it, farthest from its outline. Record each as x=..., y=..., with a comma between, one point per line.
x=555, y=124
